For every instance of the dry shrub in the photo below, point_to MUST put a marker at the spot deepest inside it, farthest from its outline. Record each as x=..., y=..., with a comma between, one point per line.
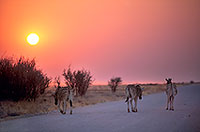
x=21, y=80
x=79, y=80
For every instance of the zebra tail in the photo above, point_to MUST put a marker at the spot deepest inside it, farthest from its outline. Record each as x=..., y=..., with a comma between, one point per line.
x=127, y=99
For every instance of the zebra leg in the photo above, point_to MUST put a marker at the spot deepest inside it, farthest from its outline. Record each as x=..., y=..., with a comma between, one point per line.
x=168, y=99
x=64, y=107
x=135, y=104
x=70, y=106
x=59, y=107
x=172, y=103
x=128, y=105
x=131, y=101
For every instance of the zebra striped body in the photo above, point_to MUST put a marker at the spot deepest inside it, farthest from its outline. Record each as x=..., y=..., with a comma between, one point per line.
x=171, y=89
x=171, y=92
x=62, y=95
x=133, y=92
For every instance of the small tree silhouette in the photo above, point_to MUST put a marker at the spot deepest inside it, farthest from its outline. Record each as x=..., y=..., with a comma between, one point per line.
x=191, y=81
x=114, y=82
x=79, y=80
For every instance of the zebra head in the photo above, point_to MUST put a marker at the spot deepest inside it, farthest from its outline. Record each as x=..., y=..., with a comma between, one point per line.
x=139, y=91
x=169, y=80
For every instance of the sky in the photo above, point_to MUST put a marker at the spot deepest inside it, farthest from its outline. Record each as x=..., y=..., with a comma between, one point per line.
x=137, y=40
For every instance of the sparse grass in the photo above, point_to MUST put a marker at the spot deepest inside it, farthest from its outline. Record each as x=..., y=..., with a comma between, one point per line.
x=45, y=103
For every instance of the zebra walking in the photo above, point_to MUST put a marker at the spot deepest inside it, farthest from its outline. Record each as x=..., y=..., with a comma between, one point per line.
x=62, y=96
x=133, y=92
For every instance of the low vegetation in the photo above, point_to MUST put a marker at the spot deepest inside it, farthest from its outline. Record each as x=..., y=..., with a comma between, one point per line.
x=79, y=80
x=21, y=80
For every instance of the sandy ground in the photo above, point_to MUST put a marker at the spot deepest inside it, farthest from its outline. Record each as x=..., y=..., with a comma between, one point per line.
x=113, y=116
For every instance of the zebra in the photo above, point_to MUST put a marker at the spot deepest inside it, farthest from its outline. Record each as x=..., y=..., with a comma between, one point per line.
x=171, y=92
x=133, y=92
x=61, y=96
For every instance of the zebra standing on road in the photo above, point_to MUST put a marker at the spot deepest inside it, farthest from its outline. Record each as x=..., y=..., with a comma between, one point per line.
x=133, y=92
x=61, y=96
x=171, y=92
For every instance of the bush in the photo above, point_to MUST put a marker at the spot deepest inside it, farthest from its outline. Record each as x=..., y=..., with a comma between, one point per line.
x=78, y=80
x=114, y=82
x=191, y=82
x=21, y=80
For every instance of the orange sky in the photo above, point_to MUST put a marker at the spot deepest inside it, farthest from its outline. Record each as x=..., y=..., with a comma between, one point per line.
x=139, y=40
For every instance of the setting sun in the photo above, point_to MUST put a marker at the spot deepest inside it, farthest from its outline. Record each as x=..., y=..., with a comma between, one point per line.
x=32, y=39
